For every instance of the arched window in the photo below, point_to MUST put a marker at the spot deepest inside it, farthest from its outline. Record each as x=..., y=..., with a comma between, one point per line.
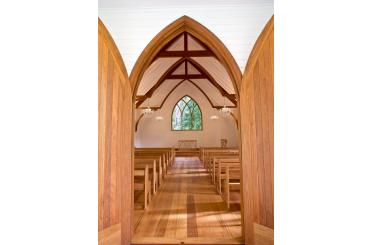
x=187, y=115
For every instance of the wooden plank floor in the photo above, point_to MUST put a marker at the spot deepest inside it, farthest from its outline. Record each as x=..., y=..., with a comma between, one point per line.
x=187, y=209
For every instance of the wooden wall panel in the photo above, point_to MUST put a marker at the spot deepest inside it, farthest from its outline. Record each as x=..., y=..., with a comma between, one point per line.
x=114, y=137
x=257, y=121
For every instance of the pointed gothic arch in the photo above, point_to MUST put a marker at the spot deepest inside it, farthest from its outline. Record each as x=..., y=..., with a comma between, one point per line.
x=185, y=24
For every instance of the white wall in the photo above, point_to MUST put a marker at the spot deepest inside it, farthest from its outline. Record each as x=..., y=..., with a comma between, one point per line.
x=153, y=133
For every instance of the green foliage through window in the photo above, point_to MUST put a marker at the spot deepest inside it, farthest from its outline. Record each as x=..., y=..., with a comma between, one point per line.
x=187, y=115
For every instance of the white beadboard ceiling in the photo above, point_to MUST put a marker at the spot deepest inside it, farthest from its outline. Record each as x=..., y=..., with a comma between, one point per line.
x=133, y=23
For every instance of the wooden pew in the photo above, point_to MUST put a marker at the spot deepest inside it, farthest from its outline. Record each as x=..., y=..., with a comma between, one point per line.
x=221, y=175
x=153, y=175
x=232, y=181
x=207, y=154
x=214, y=162
x=204, y=151
x=158, y=164
x=210, y=155
x=142, y=183
x=170, y=153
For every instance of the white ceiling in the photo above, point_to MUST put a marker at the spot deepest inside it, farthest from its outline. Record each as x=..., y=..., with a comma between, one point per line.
x=133, y=23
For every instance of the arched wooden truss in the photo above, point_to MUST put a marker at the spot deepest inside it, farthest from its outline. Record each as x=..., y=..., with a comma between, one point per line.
x=158, y=45
x=185, y=61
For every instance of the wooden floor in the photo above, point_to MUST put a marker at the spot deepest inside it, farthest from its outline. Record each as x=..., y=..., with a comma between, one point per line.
x=187, y=209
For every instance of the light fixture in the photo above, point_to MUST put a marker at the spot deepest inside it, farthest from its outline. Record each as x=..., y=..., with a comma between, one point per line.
x=147, y=111
x=214, y=117
x=159, y=118
x=225, y=111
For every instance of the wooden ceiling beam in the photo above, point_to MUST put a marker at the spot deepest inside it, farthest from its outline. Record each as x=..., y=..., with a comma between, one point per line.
x=186, y=55
x=154, y=108
x=191, y=53
x=202, y=70
x=207, y=52
x=176, y=86
x=189, y=76
x=219, y=106
x=203, y=75
x=169, y=71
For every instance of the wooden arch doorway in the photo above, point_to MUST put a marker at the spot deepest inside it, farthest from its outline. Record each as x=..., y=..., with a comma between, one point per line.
x=188, y=26
x=116, y=104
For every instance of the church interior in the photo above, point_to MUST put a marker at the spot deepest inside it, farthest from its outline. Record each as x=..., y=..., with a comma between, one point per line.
x=185, y=123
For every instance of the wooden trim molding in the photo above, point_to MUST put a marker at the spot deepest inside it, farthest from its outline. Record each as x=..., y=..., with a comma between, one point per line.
x=235, y=119
x=138, y=120
x=194, y=28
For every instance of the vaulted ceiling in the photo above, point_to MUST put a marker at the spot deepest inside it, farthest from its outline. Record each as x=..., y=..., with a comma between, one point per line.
x=133, y=24
x=185, y=59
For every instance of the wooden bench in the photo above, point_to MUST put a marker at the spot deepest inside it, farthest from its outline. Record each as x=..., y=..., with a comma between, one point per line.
x=153, y=173
x=207, y=153
x=221, y=176
x=142, y=183
x=209, y=156
x=213, y=166
x=158, y=163
x=169, y=152
x=232, y=181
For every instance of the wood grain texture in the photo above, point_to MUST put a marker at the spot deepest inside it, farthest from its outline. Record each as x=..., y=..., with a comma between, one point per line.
x=257, y=135
x=187, y=209
x=114, y=137
x=263, y=235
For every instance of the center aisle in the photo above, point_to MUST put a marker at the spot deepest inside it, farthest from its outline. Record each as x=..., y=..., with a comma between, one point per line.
x=187, y=209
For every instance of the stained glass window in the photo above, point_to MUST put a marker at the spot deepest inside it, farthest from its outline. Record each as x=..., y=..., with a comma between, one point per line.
x=187, y=115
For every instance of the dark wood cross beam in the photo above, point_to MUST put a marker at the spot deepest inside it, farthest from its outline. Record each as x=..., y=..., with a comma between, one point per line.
x=186, y=55
x=185, y=52
x=169, y=75
x=174, y=88
x=191, y=53
x=187, y=76
x=203, y=71
x=160, y=81
x=219, y=107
